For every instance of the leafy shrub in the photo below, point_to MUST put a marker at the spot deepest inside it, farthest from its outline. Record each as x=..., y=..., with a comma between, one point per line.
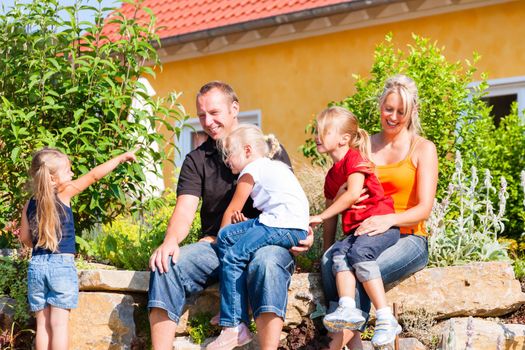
x=129, y=240
x=464, y=225
x=13, y=284
x=452, y=114
x=200, y=328
x=64, y=84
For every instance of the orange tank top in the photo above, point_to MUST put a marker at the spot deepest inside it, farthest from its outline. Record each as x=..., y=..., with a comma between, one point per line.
x=399, y=181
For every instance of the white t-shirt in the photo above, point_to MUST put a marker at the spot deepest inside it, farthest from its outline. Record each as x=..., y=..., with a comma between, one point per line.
x=277, y=194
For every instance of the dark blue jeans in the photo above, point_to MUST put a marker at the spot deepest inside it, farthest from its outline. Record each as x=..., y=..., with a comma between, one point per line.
x=236, y=245
x=359, y=253
x=408, y=255
x=268, y=277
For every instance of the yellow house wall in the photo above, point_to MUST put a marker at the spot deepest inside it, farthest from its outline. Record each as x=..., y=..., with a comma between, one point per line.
x=290, y=82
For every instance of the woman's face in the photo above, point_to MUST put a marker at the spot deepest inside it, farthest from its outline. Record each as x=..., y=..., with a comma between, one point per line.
x=393, y=117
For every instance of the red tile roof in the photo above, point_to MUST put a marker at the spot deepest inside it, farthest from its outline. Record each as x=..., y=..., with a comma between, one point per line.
x=187, y=16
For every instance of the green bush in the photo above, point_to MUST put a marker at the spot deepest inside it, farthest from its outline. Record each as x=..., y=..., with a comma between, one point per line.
x=64, y=84
x=128, y=241
x=452, y=114
x=13, y=284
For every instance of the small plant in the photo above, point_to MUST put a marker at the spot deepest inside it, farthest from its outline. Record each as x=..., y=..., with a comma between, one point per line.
x=200, y=328
x=464, y=225
x=12, y=337
x=13, y=284
x=129, y=241
x=418, y=323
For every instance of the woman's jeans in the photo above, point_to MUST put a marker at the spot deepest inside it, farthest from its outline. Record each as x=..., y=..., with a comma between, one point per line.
x=268, y=278
x=236, y=245
x=408, y=255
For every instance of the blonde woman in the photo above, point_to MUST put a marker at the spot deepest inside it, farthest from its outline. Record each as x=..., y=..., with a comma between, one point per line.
x=407, y=167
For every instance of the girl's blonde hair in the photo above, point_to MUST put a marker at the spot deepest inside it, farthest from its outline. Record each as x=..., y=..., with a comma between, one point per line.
x=247, y=134
x=46, y=225
x=406, y=88
x=345, y=122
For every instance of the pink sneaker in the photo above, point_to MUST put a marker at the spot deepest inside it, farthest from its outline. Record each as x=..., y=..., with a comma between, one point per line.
x=230, y=338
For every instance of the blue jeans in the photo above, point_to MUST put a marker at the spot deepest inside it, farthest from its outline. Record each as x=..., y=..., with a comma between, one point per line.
x=359, y=253
x=408, y=255
x=52, y=280
x=268, y=275
x=236, y=245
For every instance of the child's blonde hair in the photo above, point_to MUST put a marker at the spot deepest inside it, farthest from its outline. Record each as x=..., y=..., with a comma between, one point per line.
x=247, y=134
x=345, y=122
x=406, y=88
x=46, y=225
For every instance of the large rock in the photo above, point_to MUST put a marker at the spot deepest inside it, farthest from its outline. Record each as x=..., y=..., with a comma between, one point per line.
x=404, y=344
x=185, y=343
x=102, y=321
x=113, y=280
x=478, y=289
x=457, y=333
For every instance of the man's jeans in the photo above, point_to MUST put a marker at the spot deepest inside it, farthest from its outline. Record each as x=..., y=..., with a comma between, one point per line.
x=268, y=277
x=408, y=255
x=236, y=245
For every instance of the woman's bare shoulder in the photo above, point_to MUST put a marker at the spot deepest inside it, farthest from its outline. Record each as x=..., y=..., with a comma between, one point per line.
x=425, y=149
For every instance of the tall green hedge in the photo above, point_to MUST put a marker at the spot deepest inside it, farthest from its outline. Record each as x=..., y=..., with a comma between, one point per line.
x=64, y=84
x=452, y=113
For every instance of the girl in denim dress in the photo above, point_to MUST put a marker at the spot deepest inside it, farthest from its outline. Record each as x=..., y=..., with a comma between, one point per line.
x=47, y=226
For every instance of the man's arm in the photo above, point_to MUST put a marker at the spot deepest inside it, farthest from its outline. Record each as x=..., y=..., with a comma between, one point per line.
x=178, y=228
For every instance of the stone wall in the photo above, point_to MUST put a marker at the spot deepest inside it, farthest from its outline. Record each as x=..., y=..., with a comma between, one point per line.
x=107, y=314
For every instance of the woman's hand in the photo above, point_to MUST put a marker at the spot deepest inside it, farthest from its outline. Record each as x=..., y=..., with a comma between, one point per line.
x=375, y=225
x=364, y=195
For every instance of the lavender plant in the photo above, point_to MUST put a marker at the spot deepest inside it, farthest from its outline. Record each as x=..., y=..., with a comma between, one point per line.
x=464, y=225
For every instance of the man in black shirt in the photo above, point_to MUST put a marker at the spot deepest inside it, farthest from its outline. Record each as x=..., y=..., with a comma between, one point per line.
x=178, y=272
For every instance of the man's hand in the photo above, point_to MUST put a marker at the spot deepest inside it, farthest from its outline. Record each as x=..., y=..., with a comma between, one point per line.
x=159, y=258
x=304, y=244
x=209, y=239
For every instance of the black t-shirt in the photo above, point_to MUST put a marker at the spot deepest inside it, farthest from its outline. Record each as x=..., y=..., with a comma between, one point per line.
x=204, y=174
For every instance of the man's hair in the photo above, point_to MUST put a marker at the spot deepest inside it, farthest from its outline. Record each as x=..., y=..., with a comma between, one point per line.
x=222, y=87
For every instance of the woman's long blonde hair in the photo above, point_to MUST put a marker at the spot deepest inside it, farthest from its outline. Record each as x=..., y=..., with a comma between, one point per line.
x=248, y=134
x=46, y=225
x=406, y=88
x=345, y=122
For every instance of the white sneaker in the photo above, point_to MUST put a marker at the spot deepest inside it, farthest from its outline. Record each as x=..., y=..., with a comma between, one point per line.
x=343, y=318
x=385, y=332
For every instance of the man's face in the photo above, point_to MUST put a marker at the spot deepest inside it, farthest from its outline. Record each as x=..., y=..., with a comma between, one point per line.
x=216, y=113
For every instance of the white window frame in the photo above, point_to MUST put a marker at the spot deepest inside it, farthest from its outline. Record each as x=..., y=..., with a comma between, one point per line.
x=507, y=86
x=193, y=125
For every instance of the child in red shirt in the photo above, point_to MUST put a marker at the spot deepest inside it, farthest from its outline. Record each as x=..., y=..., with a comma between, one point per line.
x=339, y=135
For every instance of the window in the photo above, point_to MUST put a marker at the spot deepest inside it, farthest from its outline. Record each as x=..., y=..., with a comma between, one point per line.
x=192, y=135
x=502, y=93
